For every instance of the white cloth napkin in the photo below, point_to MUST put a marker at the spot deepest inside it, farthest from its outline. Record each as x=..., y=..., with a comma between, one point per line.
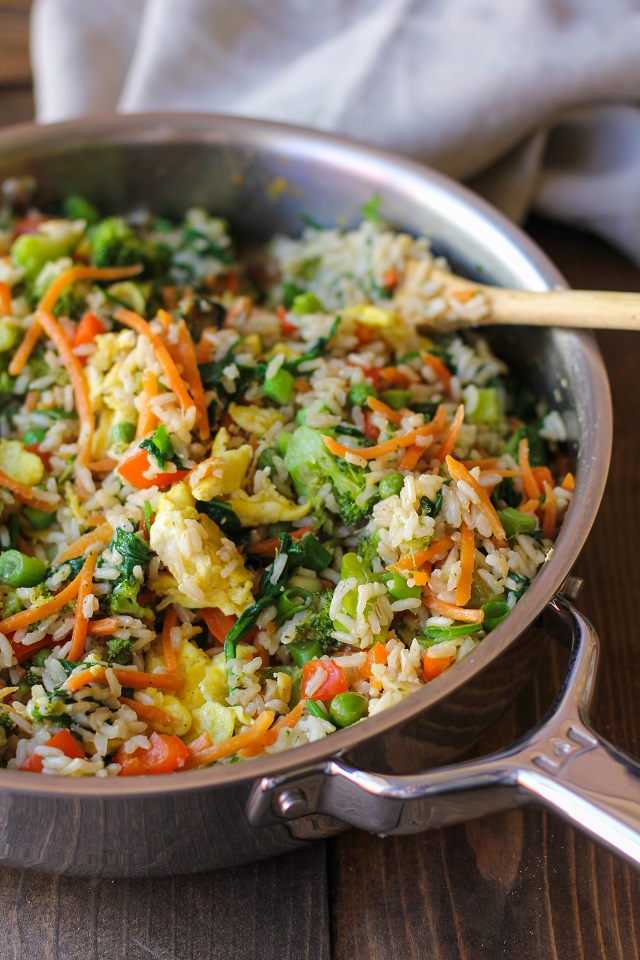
x=533, y=102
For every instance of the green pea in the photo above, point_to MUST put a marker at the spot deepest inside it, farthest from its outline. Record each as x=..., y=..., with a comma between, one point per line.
x=265, y=459
x=391, y=485
x=123, y=432
x=358, y=394
x=19, y=570
x=396, y=399
x=39, y=519
x=305, y=650
x=39, y=658
x=306, y=303
x=33, y=437
x=348, y=708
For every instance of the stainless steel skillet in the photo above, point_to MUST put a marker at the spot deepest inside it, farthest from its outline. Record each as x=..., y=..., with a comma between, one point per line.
x=262, y=177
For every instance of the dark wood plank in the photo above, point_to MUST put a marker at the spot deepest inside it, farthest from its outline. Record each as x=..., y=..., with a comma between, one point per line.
x=15, y=67
x=524, y=884
x=277, y=908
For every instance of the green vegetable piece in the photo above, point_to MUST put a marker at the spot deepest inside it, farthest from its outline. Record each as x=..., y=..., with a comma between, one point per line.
x=306, y=303
x=371, y=210
x=289, y=292
x=434, y=635
x=13, y=526
x=19, y=570
x=310, y=553
x=265, y=459
x=223, y=515
x=292, y=601
x=161, y=448
x=396, y=399
x=316, y=709
x=280, y=386
x=120, y=650
x=489, y=407
x=115, y=244
x=305, y=650
x=399, y=588
x=128, y=294
x=391, y=485
x=11, y=604
x=76, y=207
x=147, y=515
x=39, y=519
x=348, y=708
x=515, y=522
x=481, y=592
x=9, y=335
x=494, y=613
x=39, y=658
x=32, y=251
x=33, y=437
x=283, y=441
x=122, y=432
x=358, y=394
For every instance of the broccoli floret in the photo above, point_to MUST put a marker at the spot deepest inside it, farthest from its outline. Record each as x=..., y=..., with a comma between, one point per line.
x=321, y=622
x=124, y=596
x=367, y=548
x=311, y=466
x=124, y=599
x=6, y=723
x=115, y=244
x=120, y=650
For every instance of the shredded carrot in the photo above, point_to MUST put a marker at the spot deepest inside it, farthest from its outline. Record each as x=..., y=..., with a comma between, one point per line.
x=529, y=506
x=289, y=720
x=302, y=385
x=184, y=352
x=48, y=302
x=499, y=473
x=380, y=449
x=24, y=494
x=550, y=512
x=200, y=743
x=392, y=375
x=568, y=483
x=465, y=614
x=26, y=617
x=148, y=712
x=467, y=559
x=441, y=371
x=449, y=441
x=227, y=748
x=267, y=548
x=147, y=420
x=31, y=400
x=420, y=557
x=484, y=464
x=204, y=348
x=78, y=381
x=460, y=473
x=135, y=679
x=79, y=636
x=5, y=300
x=140, y=325
x=543, y=475
x=531, y=488
x=379, y=407
x=168, y=650
x=104, y=627
x=94, y=540
x=412, y=456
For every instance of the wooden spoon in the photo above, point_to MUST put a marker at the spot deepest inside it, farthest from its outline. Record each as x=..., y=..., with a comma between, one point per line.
x=598, y=309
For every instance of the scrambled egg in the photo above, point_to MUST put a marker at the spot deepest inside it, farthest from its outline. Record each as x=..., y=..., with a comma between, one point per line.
x=253, y=419
x=268, y=506
x=20, y=464
x=199, y=705
x=195, y=579
x=224, y=471
x=104, y=370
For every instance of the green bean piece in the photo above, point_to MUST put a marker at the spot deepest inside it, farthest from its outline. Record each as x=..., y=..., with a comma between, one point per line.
x=280, y=386
x=396, y=399
x=305, y=650
x=391, y=485
x=399, y=588
x=19, y=570
x=348, y=708
x=316, y=710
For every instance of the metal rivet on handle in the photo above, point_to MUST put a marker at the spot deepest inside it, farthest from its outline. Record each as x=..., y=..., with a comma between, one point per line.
x=291, y=803
x=572, y=588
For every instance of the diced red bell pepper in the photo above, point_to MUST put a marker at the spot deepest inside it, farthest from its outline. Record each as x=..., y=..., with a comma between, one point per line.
x=334, y=683
x=370, y=430
x=134, y=467
x=218, y=622
x=166, y=754
x=63, y=741
x=88, y=329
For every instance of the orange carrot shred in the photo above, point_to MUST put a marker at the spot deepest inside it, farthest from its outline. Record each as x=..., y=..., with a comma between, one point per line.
x=135, y=679
x=48, y=302
x=26, y=617
x=93, y=540
x=531, y=488
x=412, y=456
x=459, y=472
x=465, y=614
x=148, y=712
x=233, y=744
x=104, y=627
x=379, y=407
x=140, y=325
x=449, y=441
x=289, y=720
x=5, y=300
x=467, y=558
x=550, y=512
x=184, y=353
x=78, y=381
x=147, y=420
x=420, y=557
x=441, y=371
x=79, y=636
x=23, y=493
x=168, y=650
x=380, y=449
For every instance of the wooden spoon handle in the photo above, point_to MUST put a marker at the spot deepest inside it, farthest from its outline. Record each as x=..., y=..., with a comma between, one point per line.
x=597, y=309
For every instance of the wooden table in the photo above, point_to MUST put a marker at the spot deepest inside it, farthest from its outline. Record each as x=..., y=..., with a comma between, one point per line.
x=519, y=884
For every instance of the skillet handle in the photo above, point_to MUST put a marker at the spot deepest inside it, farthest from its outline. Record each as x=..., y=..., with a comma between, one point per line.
x=562, y=765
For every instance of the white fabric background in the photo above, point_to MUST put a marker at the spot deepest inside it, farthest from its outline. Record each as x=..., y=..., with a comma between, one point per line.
x=534, y=102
